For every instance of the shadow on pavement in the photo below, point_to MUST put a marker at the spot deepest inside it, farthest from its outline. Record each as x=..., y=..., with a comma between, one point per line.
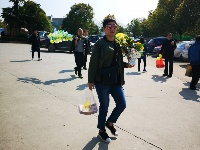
x=133, y=73
x=63, y=71
x=157, y=78
x=183, y=66
x=95, y=140
x=82, y=87
x=37, y=81
x=20, y=60
x=188, y=94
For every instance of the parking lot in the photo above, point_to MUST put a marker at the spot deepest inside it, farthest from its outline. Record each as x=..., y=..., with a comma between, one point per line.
x=39, y=99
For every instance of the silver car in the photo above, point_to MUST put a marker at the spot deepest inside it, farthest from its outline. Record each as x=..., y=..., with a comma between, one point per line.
x=180, y=47
x=185, y=51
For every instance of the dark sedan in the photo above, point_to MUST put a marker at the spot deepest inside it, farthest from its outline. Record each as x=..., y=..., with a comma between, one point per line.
x=154, y=42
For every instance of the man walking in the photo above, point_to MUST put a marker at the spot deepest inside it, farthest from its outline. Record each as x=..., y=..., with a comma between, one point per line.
x=168, y=47
x=78, y=48
x=194, y=58
x=35, y=41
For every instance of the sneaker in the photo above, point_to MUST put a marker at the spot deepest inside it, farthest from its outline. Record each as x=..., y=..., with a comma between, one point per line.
x=104, y=137
x=39, y=59
x=165, y=74
x=145, y=70
x=112, y=129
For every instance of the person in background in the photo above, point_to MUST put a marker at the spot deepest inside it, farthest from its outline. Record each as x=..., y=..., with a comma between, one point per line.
x=78, y=48
x=143, y=57
x=194, y=59
x=167, y=49
x=35, y=41
x=106, y=73
x=86, y=47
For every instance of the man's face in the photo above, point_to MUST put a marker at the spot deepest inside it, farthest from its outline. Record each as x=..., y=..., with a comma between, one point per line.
x=80, y=32
x=169, y=36
x=110, y=29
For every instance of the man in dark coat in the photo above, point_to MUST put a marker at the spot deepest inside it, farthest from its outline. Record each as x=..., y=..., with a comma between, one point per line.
x=194, y=58
x=35, y=41
x=168, y=47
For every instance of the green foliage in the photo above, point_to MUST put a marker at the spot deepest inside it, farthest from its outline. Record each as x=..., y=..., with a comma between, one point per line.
x=29, y=15
x=176, y=16
x=35, y=17
x=188, y=16
x=2, y=24
x=135, y=28
x=80, y=16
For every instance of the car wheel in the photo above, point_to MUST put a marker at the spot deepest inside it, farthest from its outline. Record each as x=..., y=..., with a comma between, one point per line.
x=51, y=48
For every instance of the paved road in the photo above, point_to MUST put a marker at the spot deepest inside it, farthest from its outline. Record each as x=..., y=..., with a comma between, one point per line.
x=38, y=106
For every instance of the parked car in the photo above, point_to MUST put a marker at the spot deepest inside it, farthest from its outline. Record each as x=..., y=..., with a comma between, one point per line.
x=157, y=50
x=45, y=43
x=93, y=39
x=154, y=42
x=180, y=47
x=64, y=45
x=185, y=51
x=1, y=31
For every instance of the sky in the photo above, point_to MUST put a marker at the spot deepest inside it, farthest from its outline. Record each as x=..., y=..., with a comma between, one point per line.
x=124, y=10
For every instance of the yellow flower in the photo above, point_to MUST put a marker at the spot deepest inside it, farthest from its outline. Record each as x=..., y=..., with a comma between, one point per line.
x=51, y=41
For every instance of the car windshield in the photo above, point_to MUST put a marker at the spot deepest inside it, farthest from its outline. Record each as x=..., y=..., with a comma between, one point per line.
x=181, y=45
x=161, y=40
x=151, y=41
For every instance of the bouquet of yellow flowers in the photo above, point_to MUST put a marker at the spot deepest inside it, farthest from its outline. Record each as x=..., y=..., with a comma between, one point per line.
x=59, y=36
x=129, y=49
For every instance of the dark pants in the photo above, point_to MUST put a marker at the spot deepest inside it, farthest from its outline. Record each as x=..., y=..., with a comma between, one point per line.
x=170, y=61
x=103, y=92
x=79, y=59
x=139, y=61
x=34, y=51
x=195, y=75
x=85, y=61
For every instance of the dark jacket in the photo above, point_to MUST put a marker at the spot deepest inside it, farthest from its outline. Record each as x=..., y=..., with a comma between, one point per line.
x=167, y=48
x=35, y=41
x=194, y=53
x=85, y=44
x=102, y=56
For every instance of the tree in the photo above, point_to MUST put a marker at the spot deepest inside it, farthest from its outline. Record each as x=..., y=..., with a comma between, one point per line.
x=80, y=16
x=134, y=27
x=2, y=24
x=187, y=17
x=12, y=16
x=35, y=17
x=28, y=15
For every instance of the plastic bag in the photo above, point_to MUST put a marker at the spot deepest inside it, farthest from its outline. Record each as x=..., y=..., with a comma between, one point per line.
x=88, y=104
x=159, y=62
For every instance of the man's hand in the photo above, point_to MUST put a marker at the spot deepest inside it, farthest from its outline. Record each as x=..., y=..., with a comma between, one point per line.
x=91, y=86
x=130, y=66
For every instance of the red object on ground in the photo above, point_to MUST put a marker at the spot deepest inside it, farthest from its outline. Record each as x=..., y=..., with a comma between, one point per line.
x=159, y=63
